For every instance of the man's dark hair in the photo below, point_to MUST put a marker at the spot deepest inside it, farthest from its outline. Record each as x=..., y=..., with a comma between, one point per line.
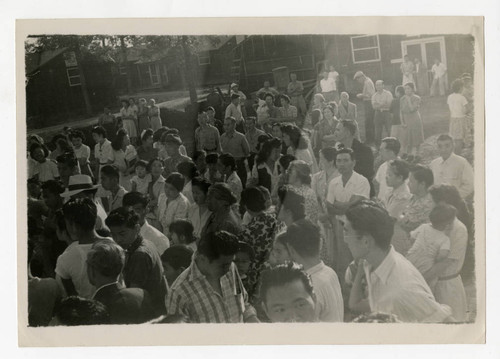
x=82, y=212
x=201, y=183
x=99, y=130
x=111, y=171
x=367, y=217
x=304, y=237
x=212, y=158
x=80, y=311
x=231, y=119
x=176, y=180
x=457, y=85
x=183, y=227
x=285, y=160
x=444, y=137
x=423, y=174
x=132, y=198
x=350, y=125
x=392, y=144
x=244, y=247
x=346, y=150
x=285, y=97
x=59, y=219
x=216, y=244
x=400, y=168
x=253, y=199
x=123, y=216
x=284, y=274
x=188, y=169
x=293, y=202
x=53, y=186
x=441, y=215
x=227, y=159
x=329, y=153
x=178, y=256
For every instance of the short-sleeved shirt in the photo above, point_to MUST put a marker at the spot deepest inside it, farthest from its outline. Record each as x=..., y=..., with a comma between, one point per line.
x=356, y=185
x=368, y=89
x=428, y=242
x=380, y=178
x=104, y=152
x=234, y=111
x=142, y=184
x=456, y=103
x=382, y=101
x=397, y=199
x=329, y=302
x=143, y=269
x=207, y=138
x=236, y=144
x=327, y=85
x=72, y=264
x=438, y=70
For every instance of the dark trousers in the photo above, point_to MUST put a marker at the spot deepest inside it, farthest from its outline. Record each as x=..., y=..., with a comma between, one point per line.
x=369, y=126
x=241, y=171
x=382, y=121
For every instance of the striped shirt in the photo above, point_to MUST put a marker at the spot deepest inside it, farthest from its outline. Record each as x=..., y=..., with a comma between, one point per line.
x=192, y=295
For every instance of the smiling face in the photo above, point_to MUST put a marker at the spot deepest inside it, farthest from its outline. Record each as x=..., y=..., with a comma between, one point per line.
x=328, y=114
x=290, y=303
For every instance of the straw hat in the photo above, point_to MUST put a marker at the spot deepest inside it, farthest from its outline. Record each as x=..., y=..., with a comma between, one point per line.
x=77, y=184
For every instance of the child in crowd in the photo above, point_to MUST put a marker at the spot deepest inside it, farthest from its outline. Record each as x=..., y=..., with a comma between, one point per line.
x=181, y=232
x=212, y=175
x=172, y=204
x=431, y=242
x=189, y=171
x=44, y=169
x=175, y=260
x=140, y=182
x=457, y=104
x=243, y=258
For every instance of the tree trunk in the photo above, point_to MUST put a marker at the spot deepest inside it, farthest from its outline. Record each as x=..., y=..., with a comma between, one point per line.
x=83, y=82
x=125, y=64
x=188, y=73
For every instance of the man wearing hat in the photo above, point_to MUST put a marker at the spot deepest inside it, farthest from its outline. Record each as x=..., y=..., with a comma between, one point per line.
x=81, y=186
x=234, y=110
x=172, y=144
x=366, y=96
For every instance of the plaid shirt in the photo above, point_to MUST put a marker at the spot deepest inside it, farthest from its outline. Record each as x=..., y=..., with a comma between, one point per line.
x=192, y=295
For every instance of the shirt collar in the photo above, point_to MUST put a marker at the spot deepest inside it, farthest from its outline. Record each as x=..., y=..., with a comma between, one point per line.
x=315, y=269
x=384, y=270
x=452, y=156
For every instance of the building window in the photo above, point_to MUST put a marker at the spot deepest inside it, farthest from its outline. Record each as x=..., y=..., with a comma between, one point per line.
x=365, y=48
x=73, y=76
x=204, y=58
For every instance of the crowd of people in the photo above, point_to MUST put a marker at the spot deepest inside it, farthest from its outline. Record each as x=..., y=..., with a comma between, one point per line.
x=278, y=217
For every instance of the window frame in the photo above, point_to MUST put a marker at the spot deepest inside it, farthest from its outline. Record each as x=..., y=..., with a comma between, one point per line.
x=73, y=77
x=205, y=56
x=365, y=48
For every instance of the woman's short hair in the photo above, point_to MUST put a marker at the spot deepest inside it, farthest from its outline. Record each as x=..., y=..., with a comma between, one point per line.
x=392, y=144
x=267, y=148
x=159, y=133
x=303, y=171
x=36, y=146
x=423, y=174
x=331, y=106
x=153, y=160
x=329, y=153
x=268, y=94
x=228, y=160
x=285, y=97
x=176, y=180
x=76, y=134
x=202, y=183
x=82, y=212
x=400, y=168
x=253, y=199
x=285, y=161
x=146, y=134
x=368, y=217
x=410, y=85
x=297, y=139
x=222, y=192
x=107, y=258
x=100, y=131
x=141, y=163
x=320, y=97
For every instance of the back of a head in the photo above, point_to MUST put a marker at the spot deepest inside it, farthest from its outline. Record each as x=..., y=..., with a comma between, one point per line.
x=80, y=311
x=82, y=212
x=446, y=193
x=304, y=236
x=350, y=126
x=216, y=244
x=110, y=171
x=368, y=217
x=178, y=256
x=183, y=227
x=53, y=186
x=441, y=215
x=176, y=180
x=423, y=174
x=293, y=202
x=132, y=198
x=282, y=275
x=107, y=258
x=253, y=199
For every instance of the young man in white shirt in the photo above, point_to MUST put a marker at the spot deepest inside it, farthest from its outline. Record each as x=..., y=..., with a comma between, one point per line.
x=139, y=203
x=394, y=285
x=438, y=86
x=381, y=103
x=328, y=87
x=452, y=169
x=389, y=150
x=303, y=241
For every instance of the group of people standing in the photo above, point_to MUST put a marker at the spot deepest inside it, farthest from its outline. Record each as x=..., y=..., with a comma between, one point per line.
x=268, y=219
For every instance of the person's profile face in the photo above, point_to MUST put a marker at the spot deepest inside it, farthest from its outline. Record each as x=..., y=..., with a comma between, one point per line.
x=126, y=141
x=384, y=152
x=289, y=303
x=124, y=235
x=344, y=163
x=280, y=253
x=96, y=137
x=140, y=210
x=221, y=168
x=156, y=168
x=391, y=178
x=212, y=203
x=175, y=238
x=169, y=273
x=354, y=241
x=199, y=196
x=242, y=261
x=445, y=148
x=286, y=139
x=339, y=133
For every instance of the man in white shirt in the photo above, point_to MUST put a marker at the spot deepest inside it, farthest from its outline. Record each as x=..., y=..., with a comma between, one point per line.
x=451, y=168
x=328, y=87
x=394, y=285
x=439, y=77
x=389, y=150
x=303, y=241
x=139, y=203
x=381, y=103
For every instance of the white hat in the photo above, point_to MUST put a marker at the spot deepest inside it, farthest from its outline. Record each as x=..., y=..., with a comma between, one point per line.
x=77, y=184
x=358, y=74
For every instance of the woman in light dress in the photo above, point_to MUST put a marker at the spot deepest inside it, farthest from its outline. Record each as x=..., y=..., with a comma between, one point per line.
x=129, y=119
x=154, y=115
x=124, y=156
x=410, y=117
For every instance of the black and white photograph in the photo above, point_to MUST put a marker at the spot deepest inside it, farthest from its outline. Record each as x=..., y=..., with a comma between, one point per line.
x=221, y=177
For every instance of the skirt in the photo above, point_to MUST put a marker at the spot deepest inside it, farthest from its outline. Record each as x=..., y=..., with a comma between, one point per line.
x=452, y=293
x=458, y=128
x=401, y=133
x=156, y=123
x=129, y=126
